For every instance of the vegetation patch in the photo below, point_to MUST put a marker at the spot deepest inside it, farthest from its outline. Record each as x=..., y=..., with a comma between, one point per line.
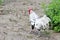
x=1, y=1
x=52, y=10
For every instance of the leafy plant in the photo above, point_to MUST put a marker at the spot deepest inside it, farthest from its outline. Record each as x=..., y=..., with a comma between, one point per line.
x=52, y=10
x=1, y=2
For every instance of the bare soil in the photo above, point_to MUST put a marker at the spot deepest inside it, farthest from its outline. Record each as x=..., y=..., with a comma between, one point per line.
x=14, y=20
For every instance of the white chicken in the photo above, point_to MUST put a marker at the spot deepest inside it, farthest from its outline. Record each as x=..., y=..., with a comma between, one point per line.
x=36, y=22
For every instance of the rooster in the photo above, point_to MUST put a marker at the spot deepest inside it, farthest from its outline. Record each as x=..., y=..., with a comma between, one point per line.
x=36, y=21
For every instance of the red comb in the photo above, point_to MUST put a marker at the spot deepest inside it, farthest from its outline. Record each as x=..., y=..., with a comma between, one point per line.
x=29, y=9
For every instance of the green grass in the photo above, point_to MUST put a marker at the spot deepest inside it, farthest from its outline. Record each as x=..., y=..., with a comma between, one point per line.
x=1, y=1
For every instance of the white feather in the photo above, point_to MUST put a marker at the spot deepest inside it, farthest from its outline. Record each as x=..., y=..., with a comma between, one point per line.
x=33, y=16
x=41, y=22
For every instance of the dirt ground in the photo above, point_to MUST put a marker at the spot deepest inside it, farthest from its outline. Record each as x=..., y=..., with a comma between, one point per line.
x=14, y=20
